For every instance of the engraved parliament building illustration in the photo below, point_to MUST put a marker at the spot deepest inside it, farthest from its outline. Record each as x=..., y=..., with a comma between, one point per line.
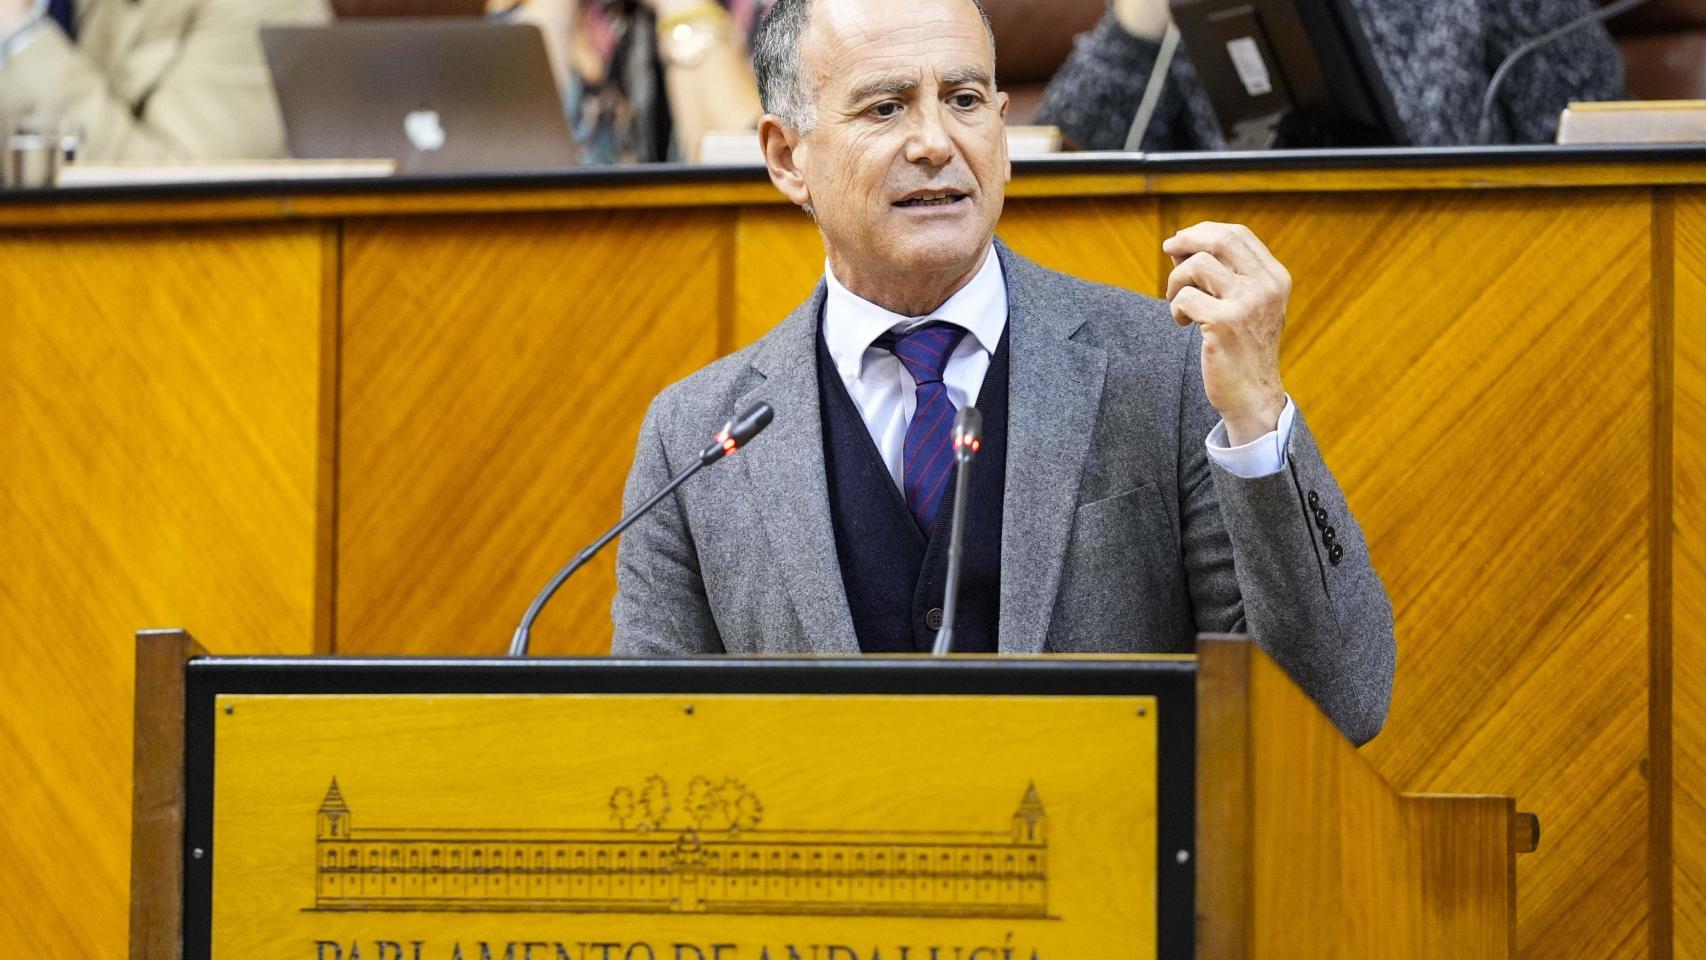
x=717, y=862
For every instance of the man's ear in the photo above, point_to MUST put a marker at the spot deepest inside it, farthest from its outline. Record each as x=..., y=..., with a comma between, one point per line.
x=1001, y=101
x=784, y=155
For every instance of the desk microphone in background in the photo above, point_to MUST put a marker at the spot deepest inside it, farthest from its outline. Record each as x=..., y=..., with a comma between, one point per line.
x=1484, y=133
x=735, y=434
x=968, y=439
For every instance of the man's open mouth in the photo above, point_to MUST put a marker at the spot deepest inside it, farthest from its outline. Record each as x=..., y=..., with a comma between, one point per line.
x=932, y=200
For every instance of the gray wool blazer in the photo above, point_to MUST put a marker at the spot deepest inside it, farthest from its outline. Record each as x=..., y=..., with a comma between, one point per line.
x=1120, y=534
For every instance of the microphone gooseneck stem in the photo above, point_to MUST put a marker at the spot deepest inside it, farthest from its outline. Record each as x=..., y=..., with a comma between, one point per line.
x=1484, y=131
x=518, y=643
x=956, y=534
x=1153, y=89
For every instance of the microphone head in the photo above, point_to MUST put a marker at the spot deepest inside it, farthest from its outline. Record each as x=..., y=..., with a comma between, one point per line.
x=968, y=433
x=739, y=431
x=749, y=423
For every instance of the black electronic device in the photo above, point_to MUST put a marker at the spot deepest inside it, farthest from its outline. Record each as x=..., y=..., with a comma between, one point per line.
x=1289, y=73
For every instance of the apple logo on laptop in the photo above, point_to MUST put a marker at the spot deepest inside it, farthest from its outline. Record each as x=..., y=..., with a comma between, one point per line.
x=424, y=129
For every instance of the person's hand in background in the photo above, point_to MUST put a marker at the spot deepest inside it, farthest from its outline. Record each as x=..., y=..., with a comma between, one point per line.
x=13, y=13
x=555, y=20
x=1147, y=19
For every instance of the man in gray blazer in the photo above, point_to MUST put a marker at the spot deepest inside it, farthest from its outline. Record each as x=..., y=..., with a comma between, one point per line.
x=1145, y=477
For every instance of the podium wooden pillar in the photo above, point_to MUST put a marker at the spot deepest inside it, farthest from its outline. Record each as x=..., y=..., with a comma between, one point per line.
x=767, y=809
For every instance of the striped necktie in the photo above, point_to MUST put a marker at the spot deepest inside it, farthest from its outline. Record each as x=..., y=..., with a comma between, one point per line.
x=927, y=457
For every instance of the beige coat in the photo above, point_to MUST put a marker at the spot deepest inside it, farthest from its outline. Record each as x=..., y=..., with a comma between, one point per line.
x=157, y=79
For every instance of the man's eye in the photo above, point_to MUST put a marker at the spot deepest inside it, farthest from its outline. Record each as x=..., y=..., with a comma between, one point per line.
x=967, y=100
x=886, y=110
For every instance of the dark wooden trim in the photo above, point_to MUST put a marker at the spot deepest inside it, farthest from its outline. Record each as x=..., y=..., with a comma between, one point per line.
x=1225, y=887
x=728, y=278
x=1660, y=867
x=157, y=797
x=326, y=479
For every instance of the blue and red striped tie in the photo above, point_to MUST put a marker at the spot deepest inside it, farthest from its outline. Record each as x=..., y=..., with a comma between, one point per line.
x=928, y=459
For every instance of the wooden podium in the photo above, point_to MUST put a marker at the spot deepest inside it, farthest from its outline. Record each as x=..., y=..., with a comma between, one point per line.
x=785, y=809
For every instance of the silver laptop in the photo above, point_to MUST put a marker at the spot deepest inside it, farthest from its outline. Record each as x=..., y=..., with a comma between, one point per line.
x=436, y=94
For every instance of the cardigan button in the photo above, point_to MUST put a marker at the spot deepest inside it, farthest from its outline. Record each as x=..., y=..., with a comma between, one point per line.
x=933, y=619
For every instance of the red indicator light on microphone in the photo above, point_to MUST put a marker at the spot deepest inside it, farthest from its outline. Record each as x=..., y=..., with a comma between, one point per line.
x=728, y=444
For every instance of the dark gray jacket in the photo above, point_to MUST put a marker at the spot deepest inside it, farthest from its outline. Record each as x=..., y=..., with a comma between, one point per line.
x=1120, y=535
x=1437, y=57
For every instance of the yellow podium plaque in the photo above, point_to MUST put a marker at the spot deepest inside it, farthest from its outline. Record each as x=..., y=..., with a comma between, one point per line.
x=687, y=827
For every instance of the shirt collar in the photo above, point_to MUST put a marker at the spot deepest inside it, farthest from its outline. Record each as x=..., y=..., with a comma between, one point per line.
x=851, y=324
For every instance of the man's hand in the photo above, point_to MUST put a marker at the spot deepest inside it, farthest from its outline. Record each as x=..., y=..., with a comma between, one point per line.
x=1143, y=18
x=1227, y=283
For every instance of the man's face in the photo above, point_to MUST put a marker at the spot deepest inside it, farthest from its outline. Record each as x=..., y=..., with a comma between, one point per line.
x=906, y=167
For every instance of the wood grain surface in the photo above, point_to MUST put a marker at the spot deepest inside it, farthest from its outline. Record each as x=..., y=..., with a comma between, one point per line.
x=1075, y=177
x=157, y=804
x=1304, y=850
x=778, y=262
x=494, y=375
x=1483, y=366
x=1688, y=661
x=1113, y=240
x=1478, y=370
x=157, y=415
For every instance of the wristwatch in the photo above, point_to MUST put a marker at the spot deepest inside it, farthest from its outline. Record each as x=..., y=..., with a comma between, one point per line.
x=686, y=38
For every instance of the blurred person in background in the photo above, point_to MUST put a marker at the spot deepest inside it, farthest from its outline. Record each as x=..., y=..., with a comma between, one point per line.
x=612, y=58
x=1437, y=57
x=146, y=80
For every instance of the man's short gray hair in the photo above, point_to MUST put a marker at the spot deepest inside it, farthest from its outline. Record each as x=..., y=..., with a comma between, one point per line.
x=776, y=61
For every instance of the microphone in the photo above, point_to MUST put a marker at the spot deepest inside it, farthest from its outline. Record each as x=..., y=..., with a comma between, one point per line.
x=735, y=434
x=968, y=439
x=1153, y=89
x=1484, y=132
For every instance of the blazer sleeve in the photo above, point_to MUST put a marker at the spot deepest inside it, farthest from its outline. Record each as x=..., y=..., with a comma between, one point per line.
x=1260, y=559
x=212, y=100
x=660, y=608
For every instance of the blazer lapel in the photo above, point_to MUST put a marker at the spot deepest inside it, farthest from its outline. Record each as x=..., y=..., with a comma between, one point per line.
x=1054, y=393
x=787, y=480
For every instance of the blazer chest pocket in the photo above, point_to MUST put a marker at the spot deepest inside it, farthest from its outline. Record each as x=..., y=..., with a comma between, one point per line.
x=1120, y=584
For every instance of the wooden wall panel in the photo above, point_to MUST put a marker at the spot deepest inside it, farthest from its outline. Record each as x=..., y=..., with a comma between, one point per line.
x=1115, y=240
x=158, y=413
x=494, y=375
x=778, y=261
x=1478, y=368
x=1688, y=649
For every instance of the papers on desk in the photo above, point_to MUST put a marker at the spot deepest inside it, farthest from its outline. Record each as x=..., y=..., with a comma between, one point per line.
x=218, y=171
x=740, y=147
x=1640, y=121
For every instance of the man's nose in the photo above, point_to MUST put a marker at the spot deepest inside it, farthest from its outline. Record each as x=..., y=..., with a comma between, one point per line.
x=930, y=142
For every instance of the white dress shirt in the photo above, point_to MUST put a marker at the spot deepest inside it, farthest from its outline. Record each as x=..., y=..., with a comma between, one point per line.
x=886, y=394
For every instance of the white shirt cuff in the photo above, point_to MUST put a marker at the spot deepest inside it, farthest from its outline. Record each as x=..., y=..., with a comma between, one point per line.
x=1258, y=458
